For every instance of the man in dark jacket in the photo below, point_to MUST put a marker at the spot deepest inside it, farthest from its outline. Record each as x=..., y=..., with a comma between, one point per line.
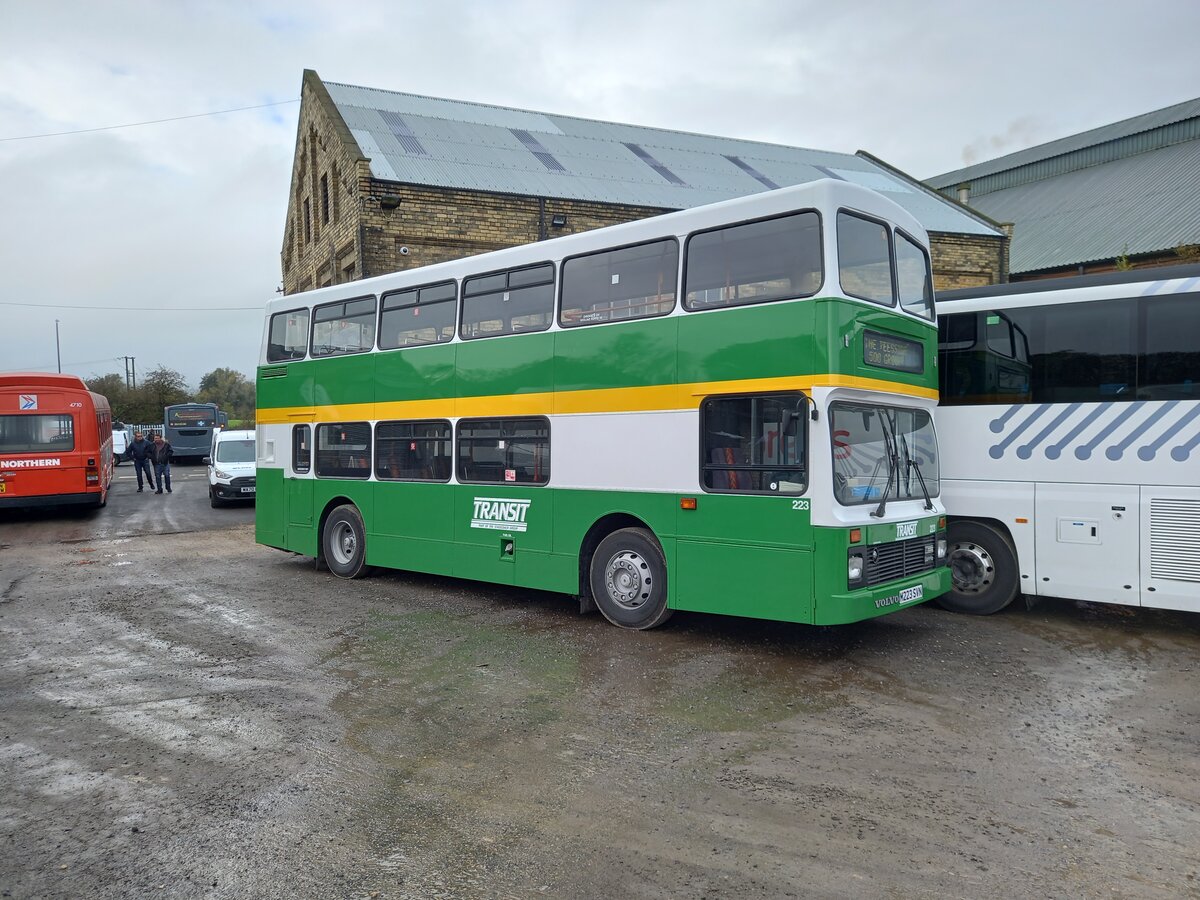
x=139, y=452
x=161, y=452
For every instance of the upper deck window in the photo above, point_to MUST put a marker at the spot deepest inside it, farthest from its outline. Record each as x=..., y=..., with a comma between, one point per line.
x=913, y=276
x=422, y=315
x=347, y=326
x=288, y=336
x=629, y=283
x=511, y=302
x=865, y=259
x=753, y=262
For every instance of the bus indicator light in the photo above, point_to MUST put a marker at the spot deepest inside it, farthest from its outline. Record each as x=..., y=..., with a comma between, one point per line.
x=855, y=535
x=687, y=503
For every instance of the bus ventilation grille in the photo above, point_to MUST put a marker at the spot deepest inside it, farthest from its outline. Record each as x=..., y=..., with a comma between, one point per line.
x=1174, y=550
x=887, y=562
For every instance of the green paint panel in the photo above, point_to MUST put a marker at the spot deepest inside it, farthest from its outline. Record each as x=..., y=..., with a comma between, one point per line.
x=268, y=518
x=412, y=528
x=423, y=373
x=633, y=354
x=749, y=342
x=521, y=364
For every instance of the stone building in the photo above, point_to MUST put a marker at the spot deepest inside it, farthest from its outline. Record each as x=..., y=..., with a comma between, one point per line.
x=383, y=181
x=1120, y=196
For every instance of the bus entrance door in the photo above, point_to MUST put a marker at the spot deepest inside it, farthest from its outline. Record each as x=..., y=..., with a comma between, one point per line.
x=298, y=498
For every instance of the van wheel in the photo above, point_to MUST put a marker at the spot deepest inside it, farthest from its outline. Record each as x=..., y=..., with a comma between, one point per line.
x=344, y=543
x=628, y=575
x=983, y=566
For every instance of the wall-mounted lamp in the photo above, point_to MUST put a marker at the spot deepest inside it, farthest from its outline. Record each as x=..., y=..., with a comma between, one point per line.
x=389, y=201
x=559, y=221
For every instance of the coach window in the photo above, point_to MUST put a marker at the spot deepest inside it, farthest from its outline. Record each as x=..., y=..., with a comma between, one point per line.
x=344, y=450
x=301, y=449
x=413, y=451
x=754, y=262
x=422, y=315
x=1080, y=352
x=865, y=259
x=755, y=444
x=504, y=451
x=288, y=336
x=616, y=285
x=914, y=279
x=1169, y=362
x=347, y=326
x=512, y=302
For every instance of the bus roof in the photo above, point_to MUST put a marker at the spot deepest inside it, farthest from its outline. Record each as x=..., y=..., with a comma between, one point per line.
x=826, y=195
x=1041, y=285
x=42, y=380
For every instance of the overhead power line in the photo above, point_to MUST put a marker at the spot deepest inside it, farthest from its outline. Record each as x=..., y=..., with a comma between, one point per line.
x=257, y=309
x=216, y=112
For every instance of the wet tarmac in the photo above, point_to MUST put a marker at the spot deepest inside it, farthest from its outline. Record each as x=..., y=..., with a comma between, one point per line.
x=187, y=714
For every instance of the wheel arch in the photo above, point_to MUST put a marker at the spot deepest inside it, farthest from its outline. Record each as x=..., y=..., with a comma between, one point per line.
x=600, y=529
x=334, y=503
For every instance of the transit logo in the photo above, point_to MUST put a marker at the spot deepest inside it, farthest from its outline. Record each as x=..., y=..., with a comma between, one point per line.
x=499, y=514
x=906, y=530
x=29, y=463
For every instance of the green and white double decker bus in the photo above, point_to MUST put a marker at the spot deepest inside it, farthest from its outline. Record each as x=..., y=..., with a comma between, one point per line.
x=726, y=409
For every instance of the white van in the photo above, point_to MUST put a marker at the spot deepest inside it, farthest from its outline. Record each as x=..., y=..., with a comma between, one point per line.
x=231, y=469
x=122, y=438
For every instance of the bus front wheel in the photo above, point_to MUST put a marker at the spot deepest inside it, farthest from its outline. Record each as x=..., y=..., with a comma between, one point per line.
x=628, y=576
x=344, y=543
x=983, y=566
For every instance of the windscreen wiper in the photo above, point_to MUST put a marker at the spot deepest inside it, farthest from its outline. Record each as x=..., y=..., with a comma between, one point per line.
x=915, y=466
x=893, y=455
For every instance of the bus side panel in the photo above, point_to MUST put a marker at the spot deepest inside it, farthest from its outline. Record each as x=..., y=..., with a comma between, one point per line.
x=519, y=364
x=629, y=355
x=269, y=511
x=425, y=373
x=1088, y=535
x=746, y=556
x=767, y=341
x=1170, y=519
x=412, y=528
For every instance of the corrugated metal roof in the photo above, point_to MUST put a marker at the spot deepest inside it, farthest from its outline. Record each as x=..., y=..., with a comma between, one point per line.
x=1189, y=109
x=450, y=143
x=1141, y=204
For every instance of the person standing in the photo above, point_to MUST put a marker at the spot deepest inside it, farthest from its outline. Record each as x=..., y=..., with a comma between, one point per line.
x=161, y=453
x=140, y=451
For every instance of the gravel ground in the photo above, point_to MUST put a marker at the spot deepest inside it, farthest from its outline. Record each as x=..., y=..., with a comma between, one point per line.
x=187, y=714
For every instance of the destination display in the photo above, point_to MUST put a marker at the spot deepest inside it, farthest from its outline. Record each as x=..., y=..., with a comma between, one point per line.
x=887, y=352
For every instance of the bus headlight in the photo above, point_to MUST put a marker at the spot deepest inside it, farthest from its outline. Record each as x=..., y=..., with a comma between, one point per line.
x=854, y=570
x=941, y=548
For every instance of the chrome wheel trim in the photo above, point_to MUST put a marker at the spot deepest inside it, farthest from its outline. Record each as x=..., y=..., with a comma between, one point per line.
x=628, y=580
x=971, y=568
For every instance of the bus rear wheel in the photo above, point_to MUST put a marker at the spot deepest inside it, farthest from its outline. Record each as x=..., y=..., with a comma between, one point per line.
x=628, y=575
x=344, y=543
x=983, y=567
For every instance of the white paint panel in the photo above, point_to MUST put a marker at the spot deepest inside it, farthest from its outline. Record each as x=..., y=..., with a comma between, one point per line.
x=650, y=451
x=1087, y=536
x=1005, y=502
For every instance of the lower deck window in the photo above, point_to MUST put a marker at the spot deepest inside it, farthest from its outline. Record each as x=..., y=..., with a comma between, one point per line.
x=755, y=444
x=344, y=450
x=413, y=451
x=504, y=451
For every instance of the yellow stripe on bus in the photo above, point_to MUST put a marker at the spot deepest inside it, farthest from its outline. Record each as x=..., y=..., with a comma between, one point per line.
x=606, y=400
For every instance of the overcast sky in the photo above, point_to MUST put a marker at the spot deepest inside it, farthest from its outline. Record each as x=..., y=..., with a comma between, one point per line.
x=139, y=239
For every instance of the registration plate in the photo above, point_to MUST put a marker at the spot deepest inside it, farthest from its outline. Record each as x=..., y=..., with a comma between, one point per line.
x=246, y=490
x=913, y=593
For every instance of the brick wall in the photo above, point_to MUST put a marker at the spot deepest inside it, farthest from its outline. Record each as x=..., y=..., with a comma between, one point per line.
x=966, y=260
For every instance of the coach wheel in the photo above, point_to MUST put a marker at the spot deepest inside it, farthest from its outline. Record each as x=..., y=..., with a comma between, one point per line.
x=628, y=575
x=983, y=568
x=344, y=542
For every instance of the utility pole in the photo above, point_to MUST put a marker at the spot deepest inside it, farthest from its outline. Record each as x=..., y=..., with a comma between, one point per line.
x=57, y=350
x=130, y=372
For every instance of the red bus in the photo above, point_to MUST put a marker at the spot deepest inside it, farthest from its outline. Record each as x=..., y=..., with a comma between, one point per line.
x=55, y=442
